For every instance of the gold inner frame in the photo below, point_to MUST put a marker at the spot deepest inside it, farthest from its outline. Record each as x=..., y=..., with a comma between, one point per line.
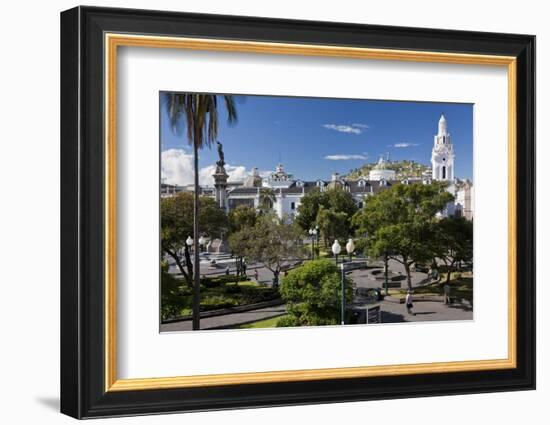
x=113, y=41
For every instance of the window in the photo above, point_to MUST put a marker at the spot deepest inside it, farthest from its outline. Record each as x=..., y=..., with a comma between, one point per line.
x=292, y=206
x=443, y=173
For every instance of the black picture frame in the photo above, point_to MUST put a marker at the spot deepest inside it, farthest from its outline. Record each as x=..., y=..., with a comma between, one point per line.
x=83, y=392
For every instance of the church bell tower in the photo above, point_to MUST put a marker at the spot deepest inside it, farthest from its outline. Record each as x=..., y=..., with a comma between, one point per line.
x=442, y=153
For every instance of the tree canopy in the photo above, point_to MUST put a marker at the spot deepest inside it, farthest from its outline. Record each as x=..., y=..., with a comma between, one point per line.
x=454, y=236
x=176, y=217
x=313, y=294
x=336, y=207
x=240, y=217
x=401, y=222
x=270, y=241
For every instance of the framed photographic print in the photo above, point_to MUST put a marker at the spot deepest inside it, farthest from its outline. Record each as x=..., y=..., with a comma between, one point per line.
x=261, y=212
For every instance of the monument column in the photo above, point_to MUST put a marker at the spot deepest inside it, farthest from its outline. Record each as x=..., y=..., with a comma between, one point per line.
x=220, y=180
x=220, y=184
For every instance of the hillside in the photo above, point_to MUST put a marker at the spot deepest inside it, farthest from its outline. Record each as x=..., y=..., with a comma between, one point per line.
x=403, y=169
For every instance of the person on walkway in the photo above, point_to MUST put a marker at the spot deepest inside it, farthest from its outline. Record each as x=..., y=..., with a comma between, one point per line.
x=227, y=271
x=409, y=302
x=256, y=275
x=244, y=269
x=447, y=292
x=276, y=277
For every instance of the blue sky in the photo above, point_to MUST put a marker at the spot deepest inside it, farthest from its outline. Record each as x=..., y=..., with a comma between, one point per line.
x=314, y=137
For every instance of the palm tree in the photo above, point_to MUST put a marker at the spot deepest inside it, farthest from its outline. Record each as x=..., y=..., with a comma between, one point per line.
x=200, y=114
x=267, y=199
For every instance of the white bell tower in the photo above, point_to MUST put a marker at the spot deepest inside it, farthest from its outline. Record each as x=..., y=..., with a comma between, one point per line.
x=443, y=155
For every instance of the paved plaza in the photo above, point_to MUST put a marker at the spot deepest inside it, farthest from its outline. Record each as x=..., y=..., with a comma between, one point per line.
x=372, y=277
x=227, y=320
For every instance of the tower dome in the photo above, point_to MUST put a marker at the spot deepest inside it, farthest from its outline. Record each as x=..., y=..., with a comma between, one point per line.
x=381, y=172
x=442, y=127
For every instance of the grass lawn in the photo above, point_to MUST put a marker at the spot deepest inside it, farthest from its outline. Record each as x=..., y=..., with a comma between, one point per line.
x=217, y=293
x=266, y=323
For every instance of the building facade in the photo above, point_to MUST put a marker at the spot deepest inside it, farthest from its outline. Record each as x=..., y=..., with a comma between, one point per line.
x=283, y=192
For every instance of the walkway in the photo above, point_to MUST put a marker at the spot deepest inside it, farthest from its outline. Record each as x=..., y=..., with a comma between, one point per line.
x=425, y=311
x=227, y=320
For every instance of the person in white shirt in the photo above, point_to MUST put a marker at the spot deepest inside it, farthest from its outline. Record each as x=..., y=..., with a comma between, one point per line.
x=409, y=302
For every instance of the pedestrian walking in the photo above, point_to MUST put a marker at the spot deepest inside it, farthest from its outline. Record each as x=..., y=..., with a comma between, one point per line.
x=447, y=293
x=227, y=271
x=256, y=275
x=409, y=302
x=276, y=277
x=244, y=269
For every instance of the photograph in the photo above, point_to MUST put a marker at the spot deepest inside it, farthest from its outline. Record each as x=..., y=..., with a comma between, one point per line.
x=280, y=212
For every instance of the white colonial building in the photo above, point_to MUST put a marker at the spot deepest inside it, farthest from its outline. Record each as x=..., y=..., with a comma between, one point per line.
x=286, y=192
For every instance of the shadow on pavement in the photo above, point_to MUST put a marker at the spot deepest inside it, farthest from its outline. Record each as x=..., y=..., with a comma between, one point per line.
x=388, y=317
x=461, y=307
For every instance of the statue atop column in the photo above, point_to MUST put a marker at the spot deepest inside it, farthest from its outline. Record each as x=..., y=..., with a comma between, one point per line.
x=220, y=179
x=221, y=161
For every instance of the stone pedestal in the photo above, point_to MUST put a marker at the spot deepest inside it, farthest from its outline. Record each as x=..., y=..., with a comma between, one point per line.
x=220, y=184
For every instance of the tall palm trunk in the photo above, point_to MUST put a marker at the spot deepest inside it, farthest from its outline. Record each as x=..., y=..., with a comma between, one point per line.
x=197, y=275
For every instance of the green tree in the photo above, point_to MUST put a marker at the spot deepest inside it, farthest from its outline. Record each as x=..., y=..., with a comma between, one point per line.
x=273, y=241
x=400, y=222
x=171, y=300
x=454, y=242
x=240, y=217
x=309, y=208
x=332, y=224
x=266, y=201
x=176, y=220
x=313, y=294
x=240, y=244
x=200, y=114
x=335, y=199
x=340, y=201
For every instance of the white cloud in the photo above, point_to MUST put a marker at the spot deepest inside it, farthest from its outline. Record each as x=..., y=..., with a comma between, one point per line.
x=235, y=172
x=356, y=128
x=403, y=145
x=177, y=168
x=341, y=128
x=345, y=157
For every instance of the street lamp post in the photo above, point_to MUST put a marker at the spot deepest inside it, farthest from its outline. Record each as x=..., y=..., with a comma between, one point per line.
x=350, y=247
x=336, y=248
x=343, y=308
x=313, y=236
x=189, y=241
x=202, y=241
x=386, y=273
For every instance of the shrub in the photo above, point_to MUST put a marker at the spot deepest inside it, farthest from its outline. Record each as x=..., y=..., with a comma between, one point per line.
x=171, y=300
x=287, y=322
x=313, y=293
x=217, y=281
